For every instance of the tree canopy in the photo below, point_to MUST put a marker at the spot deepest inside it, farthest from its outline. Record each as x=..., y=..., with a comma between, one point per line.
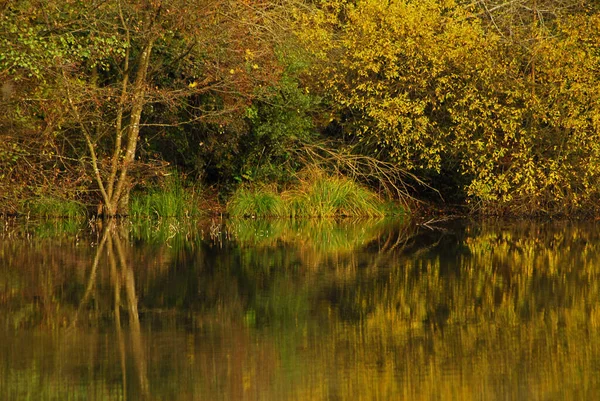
x=494, y=103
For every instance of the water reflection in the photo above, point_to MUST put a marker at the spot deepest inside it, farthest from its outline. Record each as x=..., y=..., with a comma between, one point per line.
x=278, y=310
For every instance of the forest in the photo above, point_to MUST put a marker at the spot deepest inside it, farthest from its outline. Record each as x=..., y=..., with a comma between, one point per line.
x=482, y=106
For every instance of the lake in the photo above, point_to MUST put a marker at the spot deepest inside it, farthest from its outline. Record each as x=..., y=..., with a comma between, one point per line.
x=300, y=310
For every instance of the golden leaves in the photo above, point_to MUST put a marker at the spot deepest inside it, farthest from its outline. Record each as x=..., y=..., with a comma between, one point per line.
x=426, y=84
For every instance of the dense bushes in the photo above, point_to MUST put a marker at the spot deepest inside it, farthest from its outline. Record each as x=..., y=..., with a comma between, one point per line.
x=497, y=107
x=429, y=85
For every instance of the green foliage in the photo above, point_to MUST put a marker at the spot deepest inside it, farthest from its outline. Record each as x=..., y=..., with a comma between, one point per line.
x=322, y=196
x=278, y=122
x=259, y=147
x=38, y=36
x=315, y=195
x=171, y=199
x=262, y=202
x=51, y=207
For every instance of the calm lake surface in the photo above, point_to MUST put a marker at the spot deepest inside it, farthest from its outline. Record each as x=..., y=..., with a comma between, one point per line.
x=259, y=310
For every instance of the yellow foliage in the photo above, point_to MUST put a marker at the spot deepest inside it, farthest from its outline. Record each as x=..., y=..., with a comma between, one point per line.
x=425, y=84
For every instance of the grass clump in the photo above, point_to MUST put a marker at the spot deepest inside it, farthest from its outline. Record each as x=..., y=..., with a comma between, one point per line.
x=169, y=199
x=262, y=202
x=53, y=207
x=322, y=196
x=315, y=195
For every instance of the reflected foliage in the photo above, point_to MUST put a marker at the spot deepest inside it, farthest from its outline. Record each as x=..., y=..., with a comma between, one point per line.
x=310, y=311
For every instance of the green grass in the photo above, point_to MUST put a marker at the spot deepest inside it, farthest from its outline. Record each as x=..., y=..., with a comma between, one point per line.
x=332, y=196
x=255, y=203
x=171, y=199
x=51, y=207
x=316, y=195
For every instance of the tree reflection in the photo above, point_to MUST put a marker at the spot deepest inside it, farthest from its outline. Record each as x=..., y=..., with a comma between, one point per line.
x=115, y=242
x=112, y=250
x=290, y=310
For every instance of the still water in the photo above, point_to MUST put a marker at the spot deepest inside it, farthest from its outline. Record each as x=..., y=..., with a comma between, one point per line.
x=258, y=310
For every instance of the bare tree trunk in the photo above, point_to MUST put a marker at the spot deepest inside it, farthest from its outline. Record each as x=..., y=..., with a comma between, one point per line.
x=123, y=205
x=119, y=198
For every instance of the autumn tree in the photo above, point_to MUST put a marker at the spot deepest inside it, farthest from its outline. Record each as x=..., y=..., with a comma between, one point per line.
x=432, y=86
x=399, y=74
x=105, y=66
